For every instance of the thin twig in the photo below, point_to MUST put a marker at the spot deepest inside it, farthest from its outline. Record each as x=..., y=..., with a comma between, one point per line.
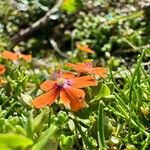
x=24, y=33
x=55, y=47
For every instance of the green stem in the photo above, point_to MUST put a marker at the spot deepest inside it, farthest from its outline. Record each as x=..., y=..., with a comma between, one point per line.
x=146, y=143
x=144, y=90
x=123, y=108
x=139, y=92
x=49, y=117
x=146, y=75
x=6, y=101
x=131, y=90
x=129, y=43
x=77, y=141
x=10, y=109
x=85, y=139
x=122, y=112
x=100, y=125
x=126, y=17
x=134, y=122
x=29, y=125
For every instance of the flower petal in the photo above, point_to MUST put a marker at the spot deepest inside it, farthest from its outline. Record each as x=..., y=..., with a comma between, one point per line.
x=102, y=72
x=85, y=48
x=82, y=82
x=48, y=85
x=45, y=99
x=67, y=75
x=10, y=55
x=80, y=67
x=73, y=97
x=26, y=57
x=2, y=69
x=71, y=65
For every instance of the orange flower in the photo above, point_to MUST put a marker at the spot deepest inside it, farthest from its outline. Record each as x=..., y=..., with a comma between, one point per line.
x=15, y=56
x=84, y=48
x=2, y=69
x=68, y=87
x=87, y=67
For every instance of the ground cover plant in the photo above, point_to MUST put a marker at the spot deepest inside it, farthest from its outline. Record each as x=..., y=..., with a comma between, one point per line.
x=78, y=79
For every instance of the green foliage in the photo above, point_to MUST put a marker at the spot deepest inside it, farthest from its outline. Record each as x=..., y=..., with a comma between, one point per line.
x=51, y=133
x=66, y=142
x=112, y=32
x=117, y=114
x=11, y=141
x=56, y=127
x=71, y=5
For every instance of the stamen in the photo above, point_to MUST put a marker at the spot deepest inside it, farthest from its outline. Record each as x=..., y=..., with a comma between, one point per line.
x=88, y=63
x=57, y=73
x=61, y=82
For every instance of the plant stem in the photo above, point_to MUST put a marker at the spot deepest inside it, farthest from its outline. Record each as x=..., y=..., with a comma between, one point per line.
x=10, y=109
x=85, y=139
x=49, y=117
x=126, y=17
x=146, y=143
x=100, y=125
x=29, y=125
x=131, y=90
x=124, y=109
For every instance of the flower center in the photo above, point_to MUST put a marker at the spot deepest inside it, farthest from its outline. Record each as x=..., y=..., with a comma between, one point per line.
x=56, y=73
x=61, y=82
x=88, y=63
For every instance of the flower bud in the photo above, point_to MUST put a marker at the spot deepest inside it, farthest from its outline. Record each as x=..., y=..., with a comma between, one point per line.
x=130, y=147
x=62, y=117
x=66, y=142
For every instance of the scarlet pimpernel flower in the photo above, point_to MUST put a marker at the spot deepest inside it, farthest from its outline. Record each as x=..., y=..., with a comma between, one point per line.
x=85, y=48
x=2, y=69
x=15, y=56
x=87, y=67
x=67, y=86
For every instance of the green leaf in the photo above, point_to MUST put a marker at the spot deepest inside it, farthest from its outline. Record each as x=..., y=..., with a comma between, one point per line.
x=38, y=120
x=104, y=92
x=71, y=5
x=110, y=86
x=10, y=141
x=100, y=126
x=48, y=138
x=29, y=125
x=107, y=99
x=26, y=100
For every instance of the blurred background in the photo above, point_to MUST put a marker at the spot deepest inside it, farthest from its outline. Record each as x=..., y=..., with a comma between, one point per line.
x=117, y=30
